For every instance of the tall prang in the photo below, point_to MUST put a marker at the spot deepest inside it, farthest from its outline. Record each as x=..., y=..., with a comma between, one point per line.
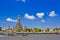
x=18, y=25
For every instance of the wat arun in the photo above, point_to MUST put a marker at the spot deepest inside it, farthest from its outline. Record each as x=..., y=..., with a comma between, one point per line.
x=18, y=25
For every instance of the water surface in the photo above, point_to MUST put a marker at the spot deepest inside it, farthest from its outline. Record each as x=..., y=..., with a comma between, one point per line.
x=33, y=37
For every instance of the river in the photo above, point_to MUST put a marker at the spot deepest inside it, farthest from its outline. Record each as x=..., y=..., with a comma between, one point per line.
x=33, y=37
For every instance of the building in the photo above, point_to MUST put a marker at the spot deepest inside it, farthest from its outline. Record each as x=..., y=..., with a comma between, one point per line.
x=0, y=28
x=25, y=29
x=18, y=25
x=9, y=29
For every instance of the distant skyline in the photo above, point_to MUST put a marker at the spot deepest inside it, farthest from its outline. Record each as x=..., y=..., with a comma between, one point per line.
x=33, y=13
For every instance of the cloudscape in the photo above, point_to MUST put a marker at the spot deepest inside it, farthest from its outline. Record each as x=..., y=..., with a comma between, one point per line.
x=33, y=13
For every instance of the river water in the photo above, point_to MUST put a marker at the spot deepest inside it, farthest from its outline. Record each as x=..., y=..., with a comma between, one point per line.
x=33, y=37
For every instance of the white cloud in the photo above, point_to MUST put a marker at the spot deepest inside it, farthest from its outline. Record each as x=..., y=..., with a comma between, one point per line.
x=40, y=15
x=29, y=17
x=42, y=20
x=52, y=14
x=11, y=20
x=22, y=0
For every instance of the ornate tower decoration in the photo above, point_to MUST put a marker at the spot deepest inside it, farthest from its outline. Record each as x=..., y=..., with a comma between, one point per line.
x=9, y=30
x=9, y=27
x=18, y=25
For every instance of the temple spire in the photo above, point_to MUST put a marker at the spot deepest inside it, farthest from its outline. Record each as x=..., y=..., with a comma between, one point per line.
x=18, y=16
x=18, y=25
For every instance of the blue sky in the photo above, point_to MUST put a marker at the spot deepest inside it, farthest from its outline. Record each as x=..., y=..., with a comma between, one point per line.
x=33, y=13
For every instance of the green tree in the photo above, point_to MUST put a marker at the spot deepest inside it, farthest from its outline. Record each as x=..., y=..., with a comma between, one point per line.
x=4, y=30
x=57, y=29
x=37, y=29
x=29, y=30
x=17, y=30
x=47, y=30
